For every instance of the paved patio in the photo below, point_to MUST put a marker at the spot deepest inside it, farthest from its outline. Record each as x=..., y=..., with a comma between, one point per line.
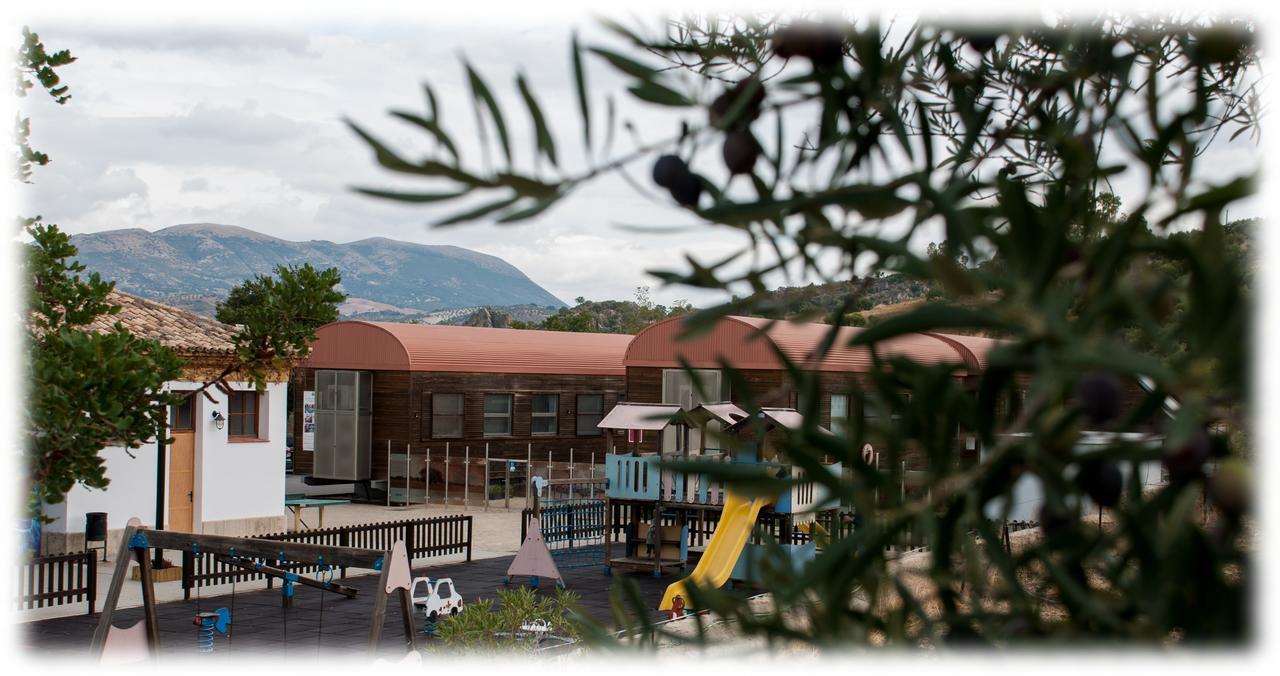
x=261, y=628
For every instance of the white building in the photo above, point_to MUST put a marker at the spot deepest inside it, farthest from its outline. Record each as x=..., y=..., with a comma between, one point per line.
x=224, y=470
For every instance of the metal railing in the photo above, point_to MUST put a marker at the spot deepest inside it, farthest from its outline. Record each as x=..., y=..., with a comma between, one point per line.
x=423, y=538
x=57, y=580
x=460, y=474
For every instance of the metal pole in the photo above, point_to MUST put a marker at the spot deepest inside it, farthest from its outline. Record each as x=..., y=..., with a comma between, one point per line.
x=466, y=477
x=408, y=472
x=571, y=463
x=548, y=465
x=160, y=477
x=506, y=484
x=593, y=464
x=486, y=476
x=528, y=474
x=426, y=491
x=388, y=472
x=446, y=473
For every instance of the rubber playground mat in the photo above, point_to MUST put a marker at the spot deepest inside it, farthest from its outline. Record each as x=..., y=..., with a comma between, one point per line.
x=261, y=628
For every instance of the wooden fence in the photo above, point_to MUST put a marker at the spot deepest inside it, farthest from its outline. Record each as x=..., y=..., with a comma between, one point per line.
x=58, y=580
x=423, y=538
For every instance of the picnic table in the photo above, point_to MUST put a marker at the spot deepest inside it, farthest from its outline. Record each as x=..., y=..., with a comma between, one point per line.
x=296, y=503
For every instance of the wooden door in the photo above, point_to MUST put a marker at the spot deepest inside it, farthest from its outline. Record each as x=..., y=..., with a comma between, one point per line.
x=182, y=465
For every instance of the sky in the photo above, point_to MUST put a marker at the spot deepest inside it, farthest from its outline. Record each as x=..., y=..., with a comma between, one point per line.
x=243, y=124
x=238, y=119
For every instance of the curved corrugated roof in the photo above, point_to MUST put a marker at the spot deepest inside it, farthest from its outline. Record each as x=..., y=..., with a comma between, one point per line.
x=753, y=343
x=384, y=346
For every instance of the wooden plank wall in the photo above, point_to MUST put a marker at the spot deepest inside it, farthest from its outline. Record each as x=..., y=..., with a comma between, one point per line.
x=402, y=405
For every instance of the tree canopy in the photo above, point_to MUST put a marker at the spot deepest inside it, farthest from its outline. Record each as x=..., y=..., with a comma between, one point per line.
x=278, y=316
x=88, y=389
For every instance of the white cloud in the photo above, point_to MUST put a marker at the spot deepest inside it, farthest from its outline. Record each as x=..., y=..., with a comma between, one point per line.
x=243, y=124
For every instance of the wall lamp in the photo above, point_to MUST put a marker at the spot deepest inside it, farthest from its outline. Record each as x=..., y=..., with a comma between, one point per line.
x=219, y=420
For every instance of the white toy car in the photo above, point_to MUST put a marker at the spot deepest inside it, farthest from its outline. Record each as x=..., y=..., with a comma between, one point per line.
x=442, y=598
x=538, y=627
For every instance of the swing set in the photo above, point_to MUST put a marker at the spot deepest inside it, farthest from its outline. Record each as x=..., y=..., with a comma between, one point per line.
x=142, y=640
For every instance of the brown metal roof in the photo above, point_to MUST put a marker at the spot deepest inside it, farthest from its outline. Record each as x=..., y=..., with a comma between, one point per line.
x=384, y=346
x=183, y=332
x=753, y=343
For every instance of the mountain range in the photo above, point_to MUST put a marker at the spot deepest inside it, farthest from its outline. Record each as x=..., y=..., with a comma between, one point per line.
x=195, y=265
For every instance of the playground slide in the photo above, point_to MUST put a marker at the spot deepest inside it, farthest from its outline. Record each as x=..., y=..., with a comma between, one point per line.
x=713, y=569
x=817, y=533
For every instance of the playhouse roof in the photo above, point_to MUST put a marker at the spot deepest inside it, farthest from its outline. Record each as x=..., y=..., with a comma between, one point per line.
x=385, y=346
x=182, y=331
x=724, y=411
x=788, y=418
x=754, y=343
x=626, y=416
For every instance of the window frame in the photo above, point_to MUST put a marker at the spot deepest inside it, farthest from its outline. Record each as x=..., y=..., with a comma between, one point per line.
x=841, y=427
x=578, y=415
x=461, y=415
x=509, y=415
x=253, y=411
x=189, y=403
x=554, y=415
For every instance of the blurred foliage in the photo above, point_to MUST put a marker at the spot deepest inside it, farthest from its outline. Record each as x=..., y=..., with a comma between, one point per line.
x=838, y=148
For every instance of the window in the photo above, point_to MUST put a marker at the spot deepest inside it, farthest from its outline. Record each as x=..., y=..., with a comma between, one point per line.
x=590, y=411
x=242, y=418
x=446, y=416
x=182, y=416
x=840, y=414
x=679, y=387
x=546, y=414
x=497, y=415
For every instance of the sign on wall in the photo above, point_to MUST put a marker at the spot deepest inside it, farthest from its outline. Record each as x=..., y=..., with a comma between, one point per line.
x=309, y=420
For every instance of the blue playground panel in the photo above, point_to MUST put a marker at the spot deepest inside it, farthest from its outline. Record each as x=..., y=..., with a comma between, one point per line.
x=748, y=567
x=573, y=521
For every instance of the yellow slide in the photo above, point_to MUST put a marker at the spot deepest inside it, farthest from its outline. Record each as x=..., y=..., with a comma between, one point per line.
x=716, y=564
x=817, y=533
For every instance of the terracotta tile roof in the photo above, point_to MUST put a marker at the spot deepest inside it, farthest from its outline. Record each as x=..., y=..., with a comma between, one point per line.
x=464, y=349
x=754, y=343
x=184, y=332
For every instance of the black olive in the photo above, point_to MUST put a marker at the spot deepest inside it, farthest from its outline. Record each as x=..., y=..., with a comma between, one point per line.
x=981, y=41
x=1102, y=480
x=1054, y=519
x=750, y=111
x=1099, y=397
x=740, y=151
x=686, y=189
x=821, y=44
x=668, y=169
x=1219, y=446
x=1186, y=462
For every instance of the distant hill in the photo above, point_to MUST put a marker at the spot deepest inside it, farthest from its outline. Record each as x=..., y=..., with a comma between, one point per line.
x=193, y=266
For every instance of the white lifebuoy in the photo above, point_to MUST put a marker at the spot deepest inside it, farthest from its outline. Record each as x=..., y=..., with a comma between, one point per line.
x=868, y=454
